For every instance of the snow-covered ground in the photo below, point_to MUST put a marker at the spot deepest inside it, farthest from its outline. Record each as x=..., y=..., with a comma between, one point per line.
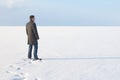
x=69, y=53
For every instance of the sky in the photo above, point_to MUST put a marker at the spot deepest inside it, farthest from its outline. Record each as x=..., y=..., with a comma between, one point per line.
x=60, y=12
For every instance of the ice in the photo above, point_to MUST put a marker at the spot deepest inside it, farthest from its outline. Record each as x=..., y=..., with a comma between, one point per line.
x=68, y=53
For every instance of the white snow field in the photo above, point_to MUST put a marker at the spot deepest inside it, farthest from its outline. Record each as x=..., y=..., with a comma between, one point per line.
x=69, y=53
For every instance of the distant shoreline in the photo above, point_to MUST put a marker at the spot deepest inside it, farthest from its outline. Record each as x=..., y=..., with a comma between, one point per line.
x=63, y=26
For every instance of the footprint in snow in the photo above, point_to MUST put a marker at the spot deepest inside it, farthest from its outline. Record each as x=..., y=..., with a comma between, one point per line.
x=36, y=79
x=19, y=76
x=15, y=67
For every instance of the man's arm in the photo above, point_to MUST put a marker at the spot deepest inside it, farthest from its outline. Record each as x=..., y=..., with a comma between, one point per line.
x=26, y=29
x=35, y=31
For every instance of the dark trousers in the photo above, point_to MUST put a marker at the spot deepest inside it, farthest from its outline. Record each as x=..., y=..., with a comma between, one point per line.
x=35, y=50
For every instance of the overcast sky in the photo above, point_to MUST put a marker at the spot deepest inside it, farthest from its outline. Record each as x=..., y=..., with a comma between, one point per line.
x=60, y=12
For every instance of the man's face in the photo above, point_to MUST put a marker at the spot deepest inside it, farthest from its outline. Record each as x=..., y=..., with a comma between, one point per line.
x=33, y=19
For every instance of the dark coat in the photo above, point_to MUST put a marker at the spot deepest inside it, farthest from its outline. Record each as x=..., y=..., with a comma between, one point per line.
x=32, y=32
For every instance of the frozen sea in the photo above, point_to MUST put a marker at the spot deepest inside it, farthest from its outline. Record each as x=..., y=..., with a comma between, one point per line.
x=69, y=53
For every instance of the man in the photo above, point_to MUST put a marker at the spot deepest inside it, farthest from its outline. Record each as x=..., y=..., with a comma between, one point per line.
x=33, y=37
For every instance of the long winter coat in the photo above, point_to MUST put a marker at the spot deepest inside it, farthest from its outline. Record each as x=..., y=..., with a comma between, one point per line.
x=32, y=32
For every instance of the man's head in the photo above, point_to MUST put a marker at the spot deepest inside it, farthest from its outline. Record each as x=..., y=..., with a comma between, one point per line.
x=32, y=18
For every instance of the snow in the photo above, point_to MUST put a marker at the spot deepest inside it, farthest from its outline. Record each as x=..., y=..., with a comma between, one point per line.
x=69, y=53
